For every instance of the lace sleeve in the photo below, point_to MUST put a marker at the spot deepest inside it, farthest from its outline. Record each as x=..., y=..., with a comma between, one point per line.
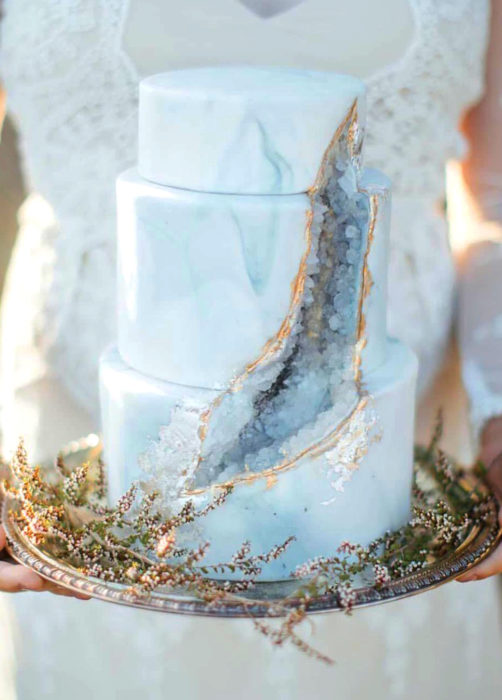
x=480, y=325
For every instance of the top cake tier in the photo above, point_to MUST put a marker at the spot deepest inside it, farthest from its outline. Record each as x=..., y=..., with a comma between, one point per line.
x=240, y=130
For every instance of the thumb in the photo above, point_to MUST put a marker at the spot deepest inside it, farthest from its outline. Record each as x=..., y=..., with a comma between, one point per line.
x=3, y=539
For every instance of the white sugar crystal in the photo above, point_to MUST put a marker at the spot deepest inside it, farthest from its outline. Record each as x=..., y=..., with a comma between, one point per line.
x=334, y=322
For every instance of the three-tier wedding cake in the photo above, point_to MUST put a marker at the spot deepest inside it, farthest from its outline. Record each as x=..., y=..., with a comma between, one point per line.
x=252, y=348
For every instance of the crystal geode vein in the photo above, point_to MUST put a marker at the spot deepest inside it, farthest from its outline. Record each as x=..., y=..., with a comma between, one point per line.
x=302, y=396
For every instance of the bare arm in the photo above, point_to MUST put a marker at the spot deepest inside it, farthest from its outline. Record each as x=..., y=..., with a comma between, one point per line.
x=482, y=169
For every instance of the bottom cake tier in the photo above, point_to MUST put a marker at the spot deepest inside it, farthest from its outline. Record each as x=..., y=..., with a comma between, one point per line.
x=308, y=500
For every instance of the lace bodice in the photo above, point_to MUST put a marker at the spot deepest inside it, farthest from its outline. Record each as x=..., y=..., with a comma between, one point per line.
x=73, y=91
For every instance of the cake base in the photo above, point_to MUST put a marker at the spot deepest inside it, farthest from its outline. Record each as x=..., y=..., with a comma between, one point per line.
x=302, y=500
x=479, y=540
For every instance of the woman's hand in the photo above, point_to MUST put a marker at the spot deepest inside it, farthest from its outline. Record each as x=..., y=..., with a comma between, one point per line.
x=491, y=455
x=15, y=578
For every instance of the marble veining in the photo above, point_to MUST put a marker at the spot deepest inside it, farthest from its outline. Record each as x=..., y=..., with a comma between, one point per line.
x=190, y=263
x=240, y=129
x=258, y=250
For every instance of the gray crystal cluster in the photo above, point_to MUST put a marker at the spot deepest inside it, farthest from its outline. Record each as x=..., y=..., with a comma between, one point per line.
x=299, y=396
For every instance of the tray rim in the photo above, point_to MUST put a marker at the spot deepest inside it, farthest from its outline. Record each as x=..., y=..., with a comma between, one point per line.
x=480, y=541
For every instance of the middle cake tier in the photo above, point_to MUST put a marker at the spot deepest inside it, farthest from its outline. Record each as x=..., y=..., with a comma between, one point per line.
x=208, y=281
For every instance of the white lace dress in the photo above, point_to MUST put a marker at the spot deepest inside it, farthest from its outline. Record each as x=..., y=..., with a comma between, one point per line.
x=73, y=91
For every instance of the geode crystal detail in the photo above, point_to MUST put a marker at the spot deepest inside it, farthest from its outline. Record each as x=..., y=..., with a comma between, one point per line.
x=303, y=393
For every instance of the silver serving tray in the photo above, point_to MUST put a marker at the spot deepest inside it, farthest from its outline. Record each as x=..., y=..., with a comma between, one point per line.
x=479, y=542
